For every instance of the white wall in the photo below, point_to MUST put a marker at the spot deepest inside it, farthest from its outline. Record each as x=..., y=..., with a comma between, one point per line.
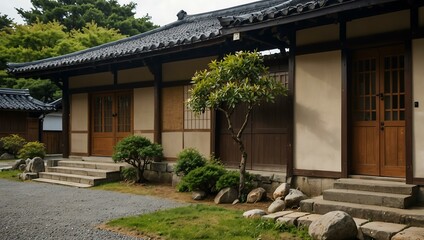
x=52, y=122
x=418, y=113
x=317, y=138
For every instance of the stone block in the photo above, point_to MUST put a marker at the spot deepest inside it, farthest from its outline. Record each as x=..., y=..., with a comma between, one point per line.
x=381, y=230
x=170, y=167
x=175, y=180
x=52, y=162
x=307, y=205
x=159, y=166
x=291, y=219
x=276, y=215
x=305, y=221
x=412, y=233
x=280, y=178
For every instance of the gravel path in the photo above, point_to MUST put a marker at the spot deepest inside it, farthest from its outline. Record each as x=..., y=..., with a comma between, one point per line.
x=45, y=211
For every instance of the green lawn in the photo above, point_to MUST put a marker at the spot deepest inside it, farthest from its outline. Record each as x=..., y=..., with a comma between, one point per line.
x=10, y=175
x=203, y=222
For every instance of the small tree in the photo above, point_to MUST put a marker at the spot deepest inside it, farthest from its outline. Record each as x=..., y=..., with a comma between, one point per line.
x=137, y=151
x=239, y=79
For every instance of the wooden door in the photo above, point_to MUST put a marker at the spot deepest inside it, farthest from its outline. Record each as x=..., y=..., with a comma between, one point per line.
x=378, y=98
x=111, y=121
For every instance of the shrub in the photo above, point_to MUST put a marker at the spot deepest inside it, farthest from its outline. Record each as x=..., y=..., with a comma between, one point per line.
x=12, y=143
x=138, y=152
x=32, y=150
x=129, y=174
x=188, y=160
x=232, y=179
x=203, y=178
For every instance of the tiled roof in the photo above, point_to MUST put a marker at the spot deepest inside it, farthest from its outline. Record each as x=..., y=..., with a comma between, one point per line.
x=187, y=30
x=279, y=10
x=21, y=100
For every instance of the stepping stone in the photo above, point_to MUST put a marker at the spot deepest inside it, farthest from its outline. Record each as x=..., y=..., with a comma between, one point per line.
x=305, y=221
x=381, y=230
x=412, y=233
x=291, y=219
x=276, y=215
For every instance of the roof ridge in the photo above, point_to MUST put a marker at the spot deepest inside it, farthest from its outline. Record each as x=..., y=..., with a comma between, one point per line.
x=14, y=91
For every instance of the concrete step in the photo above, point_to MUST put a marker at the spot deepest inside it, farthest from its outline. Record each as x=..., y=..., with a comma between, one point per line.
x=369, y=198
x=91, y=165
x=110, y=174
x=58, y=182
x=413, y=216
x=376, y=186
x=90, y=180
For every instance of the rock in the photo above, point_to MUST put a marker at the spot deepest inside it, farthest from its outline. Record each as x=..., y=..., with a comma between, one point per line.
x=6, y=156
x=22, y=167
x=336, y=225
x=256, y=195
x=226, y=195
x=198, y=195
x=294, y=197
x=35, y=165
x=281, y=191
x=18, y=163
x=27, y=176
x=276, y=206
x=237, y=201
x=254, y=213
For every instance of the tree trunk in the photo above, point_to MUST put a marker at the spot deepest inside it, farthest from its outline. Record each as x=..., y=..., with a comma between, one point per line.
x=242, y=170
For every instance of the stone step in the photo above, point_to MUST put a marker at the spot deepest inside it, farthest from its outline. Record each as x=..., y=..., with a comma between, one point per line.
x=369, y=198
x=376, y=186
x=413, y=216
x=58, y=182
x=91, y=165
x=110, y=174
x=90, y=180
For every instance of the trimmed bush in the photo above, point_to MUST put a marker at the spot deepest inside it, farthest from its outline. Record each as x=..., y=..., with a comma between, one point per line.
x=32, y=150
x=188, y=160
x=232, y=179
x=203, y=178
x=12, y=144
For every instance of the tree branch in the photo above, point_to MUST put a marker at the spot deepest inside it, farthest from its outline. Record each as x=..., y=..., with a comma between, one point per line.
x=246, y=120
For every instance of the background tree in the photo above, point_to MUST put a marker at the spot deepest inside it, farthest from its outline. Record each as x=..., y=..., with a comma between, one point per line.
x=5, y=21
x=25, y=43
x=74, y=14
x=238, y=80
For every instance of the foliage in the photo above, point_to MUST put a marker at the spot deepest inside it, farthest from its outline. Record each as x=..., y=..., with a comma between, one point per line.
x=231, y=179
x=12, y=143
x=188, y=160
x=25, y=43
x=5, y=21
x=238, y=80
x=129, y=174
x=137, y=151
x=203, y=178
x=74, y=14
x=11, y=175
x=32, y=150
x=202, y=222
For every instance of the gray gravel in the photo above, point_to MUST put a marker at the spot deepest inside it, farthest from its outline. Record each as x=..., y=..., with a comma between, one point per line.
x=45, y=211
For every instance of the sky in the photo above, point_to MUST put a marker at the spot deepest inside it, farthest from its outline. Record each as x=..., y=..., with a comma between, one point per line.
x=161, y=11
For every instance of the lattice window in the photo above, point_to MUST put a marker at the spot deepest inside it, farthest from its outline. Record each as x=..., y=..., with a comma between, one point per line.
x=282, y=76
x=194, y=121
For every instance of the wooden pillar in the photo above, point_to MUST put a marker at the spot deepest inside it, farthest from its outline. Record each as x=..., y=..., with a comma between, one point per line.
x=344, y=117
x=156, y=69
x=65, y=116
x=291, y=102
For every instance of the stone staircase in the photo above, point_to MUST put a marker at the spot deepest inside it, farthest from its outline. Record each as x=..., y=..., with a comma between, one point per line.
x=80, y=173
x=376, y=200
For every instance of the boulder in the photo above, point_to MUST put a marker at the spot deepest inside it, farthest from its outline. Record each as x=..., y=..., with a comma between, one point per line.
x=226, y=195
x=18, y=163
x=336, y=225
x=198, y=195
x=35, y=165
x=6, y=156
x=27, y=176
x=293, y=198
x=22, y=167
x=281, y=191
x=254, y=213
x=256, y=195
x=277, y=206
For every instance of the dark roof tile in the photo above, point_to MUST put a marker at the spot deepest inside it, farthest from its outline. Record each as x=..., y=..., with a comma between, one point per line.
x=21, y=100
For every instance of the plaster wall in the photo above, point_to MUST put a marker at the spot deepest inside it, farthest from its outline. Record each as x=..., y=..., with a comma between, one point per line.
x=147, y=135
x=144, y=111
x=79, y=112
x=184, y=70
x=418, y=113
x=198, y=140
x=389, y=22
x=141, y=74
x=317, y=138
x=91, y=80
x=319, y=34
x=79, y=143
x=172, y=143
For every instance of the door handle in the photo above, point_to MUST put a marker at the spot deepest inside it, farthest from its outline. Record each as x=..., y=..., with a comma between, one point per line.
x=382, y=126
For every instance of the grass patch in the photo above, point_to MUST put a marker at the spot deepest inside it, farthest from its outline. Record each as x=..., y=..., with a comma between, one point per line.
x=10, y=175
x=204, y=222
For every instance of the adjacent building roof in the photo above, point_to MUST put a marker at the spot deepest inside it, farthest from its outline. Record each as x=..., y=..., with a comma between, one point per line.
x=188, y=29
x=21, y=100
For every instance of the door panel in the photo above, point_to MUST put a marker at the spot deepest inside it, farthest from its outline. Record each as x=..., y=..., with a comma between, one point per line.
x=378, y=105
x=111, y=121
